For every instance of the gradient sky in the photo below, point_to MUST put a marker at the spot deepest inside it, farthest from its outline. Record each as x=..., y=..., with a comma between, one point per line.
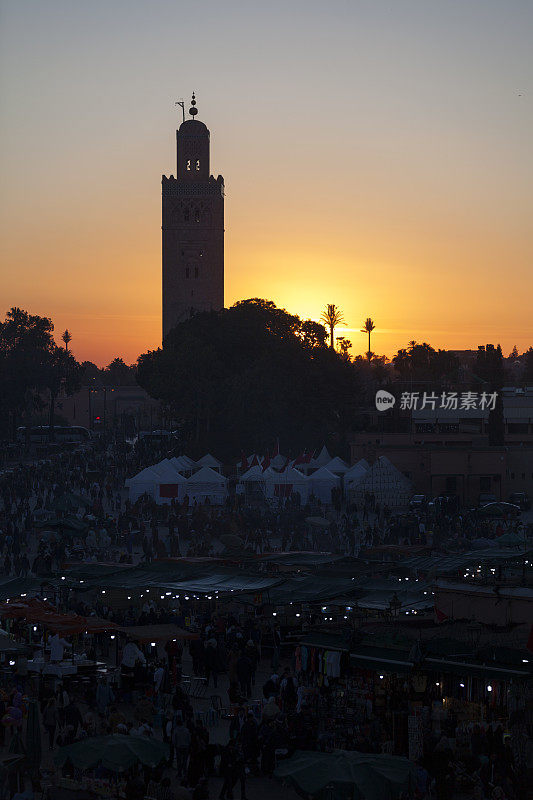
x=377, y=155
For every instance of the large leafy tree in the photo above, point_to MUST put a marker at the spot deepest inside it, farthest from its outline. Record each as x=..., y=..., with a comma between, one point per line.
x=118, y=373
x=241, y=377
x=25, y=344
x=32, y=366
x=423, y=364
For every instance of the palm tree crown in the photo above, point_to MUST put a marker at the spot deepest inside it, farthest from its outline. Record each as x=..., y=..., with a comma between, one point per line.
x=67, y=338
x=368, y=327
x=331, y=317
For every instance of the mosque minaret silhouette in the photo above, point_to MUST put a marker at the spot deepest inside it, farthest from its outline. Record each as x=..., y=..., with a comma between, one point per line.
x=192, y=228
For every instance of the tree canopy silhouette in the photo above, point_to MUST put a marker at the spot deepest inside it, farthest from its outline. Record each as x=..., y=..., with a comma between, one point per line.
x=31, y=366
x=422, y=363
x=243, y=376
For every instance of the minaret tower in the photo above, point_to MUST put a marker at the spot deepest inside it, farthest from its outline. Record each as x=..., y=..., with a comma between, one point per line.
x=193, y=229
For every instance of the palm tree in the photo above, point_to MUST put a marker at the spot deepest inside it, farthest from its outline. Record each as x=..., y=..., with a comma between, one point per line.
x=67, y=338
x=368, y=327
x=331, y=317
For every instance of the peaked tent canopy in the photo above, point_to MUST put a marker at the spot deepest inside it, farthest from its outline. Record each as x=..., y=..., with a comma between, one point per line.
x=183, y=464
x=283, y=484
x=253, y=481
x=172, y=485
x=206, y=484
x=167, y=470
x=161, y=481
x=209, y=461
x=337, y=465
x=142, y=483
x=389, y=486
x=253, y=474
x=322, y=482
x=355, y=474
x=322, y=458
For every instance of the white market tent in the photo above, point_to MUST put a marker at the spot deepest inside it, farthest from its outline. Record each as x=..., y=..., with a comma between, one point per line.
x=171, y=484
x=210, y=461
x=304, y=467
x=322, y=458
x=161, y=481
x=253, y=474
x=389, y=486
x=254, y=459
x=206, y=484
x=355, y=474
x=278, y=461
x=322, y=482
x=283, y=484
x=183, y=464
x=165, y=467
x=337, y=466
x=252, y=481
x=144, y=482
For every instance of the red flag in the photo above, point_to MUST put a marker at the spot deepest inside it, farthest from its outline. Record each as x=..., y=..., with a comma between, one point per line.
x=244, y=462
x=276, y=449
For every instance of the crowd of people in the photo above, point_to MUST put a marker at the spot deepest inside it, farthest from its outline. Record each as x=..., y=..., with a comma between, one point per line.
x=255, y=705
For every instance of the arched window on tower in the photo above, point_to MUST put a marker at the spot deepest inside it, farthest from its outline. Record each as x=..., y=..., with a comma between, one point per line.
x=189, y=165
x=197, y=165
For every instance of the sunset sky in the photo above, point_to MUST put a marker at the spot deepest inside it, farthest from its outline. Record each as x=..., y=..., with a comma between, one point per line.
x=376, y=155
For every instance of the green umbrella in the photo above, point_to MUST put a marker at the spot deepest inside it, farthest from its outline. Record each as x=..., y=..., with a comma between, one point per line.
x=65, y=524
x=33, y=736
x=345, y=775
x=510, y=540
x=318, y=522
x=70, y=502
x=116, y=753
x=232, y=543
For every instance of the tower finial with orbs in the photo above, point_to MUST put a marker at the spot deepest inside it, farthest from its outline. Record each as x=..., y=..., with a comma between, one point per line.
x=193, y=111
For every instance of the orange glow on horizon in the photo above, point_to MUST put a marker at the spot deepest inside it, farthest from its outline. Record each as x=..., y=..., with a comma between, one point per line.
x=391, y=175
